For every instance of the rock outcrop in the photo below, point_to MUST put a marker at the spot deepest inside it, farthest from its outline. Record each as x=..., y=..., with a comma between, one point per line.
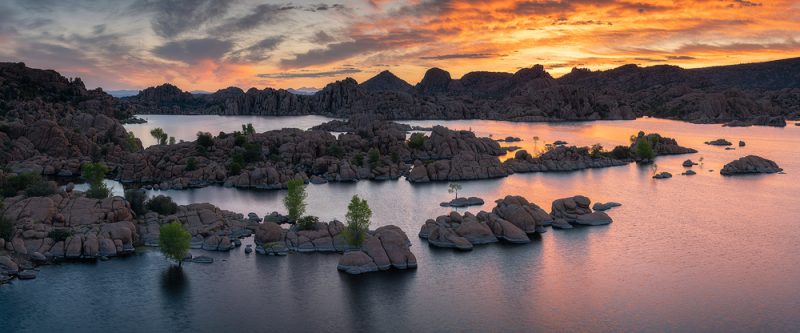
x=750, y=164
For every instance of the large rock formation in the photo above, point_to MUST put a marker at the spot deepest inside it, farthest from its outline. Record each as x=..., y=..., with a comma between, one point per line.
x=749, y=165
x=725, y=94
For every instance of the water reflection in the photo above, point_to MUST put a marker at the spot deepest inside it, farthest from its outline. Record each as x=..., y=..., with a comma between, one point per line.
x=174, y=281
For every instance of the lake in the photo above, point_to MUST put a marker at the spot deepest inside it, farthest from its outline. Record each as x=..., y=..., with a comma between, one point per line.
x=700, y=253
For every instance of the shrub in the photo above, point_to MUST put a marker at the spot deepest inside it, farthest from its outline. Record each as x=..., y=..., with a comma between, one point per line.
x=644, y=150
x=239, y=139
x=621, y=152
x=131, y=142
x=172, y=140
x=59, y=235
x=162, y=204
x=252, y=152
x=295, y=199
x=191, y=164
x=234, y=169
x=417, y=140
x=596, y=150
x=222, y=135
x=307, y=222
x=94, y=174
x=335, y=150
x=6, y=229
x=18, y=183
x=174, y=241
x=358, y=160
x=204, y=139
x=358, y=215
x=136, y=199
x=374, y=158
x=40, y=188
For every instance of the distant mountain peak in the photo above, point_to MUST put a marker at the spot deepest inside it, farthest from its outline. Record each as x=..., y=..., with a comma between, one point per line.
x=435, y=80
x=386, y=81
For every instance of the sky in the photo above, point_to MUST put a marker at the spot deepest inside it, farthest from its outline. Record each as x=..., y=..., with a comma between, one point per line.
x=211, y=44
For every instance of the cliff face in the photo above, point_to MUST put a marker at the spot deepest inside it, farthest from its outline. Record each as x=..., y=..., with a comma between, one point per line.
x=50, y=125
x=749, y=94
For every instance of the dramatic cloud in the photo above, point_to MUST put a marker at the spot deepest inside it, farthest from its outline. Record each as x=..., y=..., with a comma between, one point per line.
x=210, y=44
x=193, y=50
x=310, y=74
x=459, y=56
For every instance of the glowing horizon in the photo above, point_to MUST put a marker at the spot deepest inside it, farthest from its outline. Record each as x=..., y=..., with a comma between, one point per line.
x=210, y=45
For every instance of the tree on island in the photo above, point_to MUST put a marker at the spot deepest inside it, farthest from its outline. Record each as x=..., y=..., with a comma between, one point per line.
x=248, y=129
x=160, y=136
x=295, y=199
x=174, y=241
x=205, y=140
x=358, y=216
x=94, y=174
x=644, y=151
x=454, y=188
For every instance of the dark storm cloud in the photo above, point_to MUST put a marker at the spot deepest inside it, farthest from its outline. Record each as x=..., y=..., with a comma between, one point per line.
x=174, y=17
x=309, y=74
x=258, y=51
x=193, y=50
x=681, y=57
x=261, y=15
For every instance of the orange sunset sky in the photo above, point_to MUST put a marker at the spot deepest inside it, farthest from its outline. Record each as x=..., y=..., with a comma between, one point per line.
x=208, y=45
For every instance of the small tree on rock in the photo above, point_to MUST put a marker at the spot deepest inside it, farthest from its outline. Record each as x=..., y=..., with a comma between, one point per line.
x=295, y=199
x=644, y=151
x=454, y=188
x=94, y=174
x=160, y=136
x=358, y=216
x=174, y=241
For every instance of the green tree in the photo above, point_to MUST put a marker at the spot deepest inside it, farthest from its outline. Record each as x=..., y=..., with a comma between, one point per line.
x=131, y=142
x=248, y=129
x=94, y=173
x=644, y=150
x=295, y=199
x=374, y=156
x=596, y=150
x=174, y=241
x=160, y=136
x=162, y=204
x=191, y=164
x=172, y=140
x=205, y=140
x=454, y=188
x=416, y=141
x=358, y=216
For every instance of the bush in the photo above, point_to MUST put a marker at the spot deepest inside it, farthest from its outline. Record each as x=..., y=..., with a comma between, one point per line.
x=18, y=183
x=417, y=141
x=596, y=150
x=40, y=188
x=222, y=135
x=374, y=158
x=59, y=235
x=204, y=139
x=307, y=222
x=358, y=160
x=239, y=139
x=644, y=150
x=252, y=152
x=162, y=204
x=234, y=169
x=335, y=150
x=248, y=129
x=621, y=152
x=131, y=142
x=6, y=229
x=94, y=174
x=174, y=241
x=358, y=215
x=136, y=199
x=295, y=199
x=191, y=164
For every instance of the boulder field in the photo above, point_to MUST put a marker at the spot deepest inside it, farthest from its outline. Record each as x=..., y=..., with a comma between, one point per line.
x=383, y=248
x=512, y=220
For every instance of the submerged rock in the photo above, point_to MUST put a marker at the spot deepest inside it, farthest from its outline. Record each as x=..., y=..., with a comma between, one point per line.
x=689, y=173
x=689, y=163
x=203, y=260
x=750, y=164
x=719, y=142
x=605, y=206
x=463, y=202
x=662, y=175
x=596, y=218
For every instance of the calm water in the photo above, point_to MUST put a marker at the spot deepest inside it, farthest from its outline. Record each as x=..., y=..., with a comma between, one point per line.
x=700, y=253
